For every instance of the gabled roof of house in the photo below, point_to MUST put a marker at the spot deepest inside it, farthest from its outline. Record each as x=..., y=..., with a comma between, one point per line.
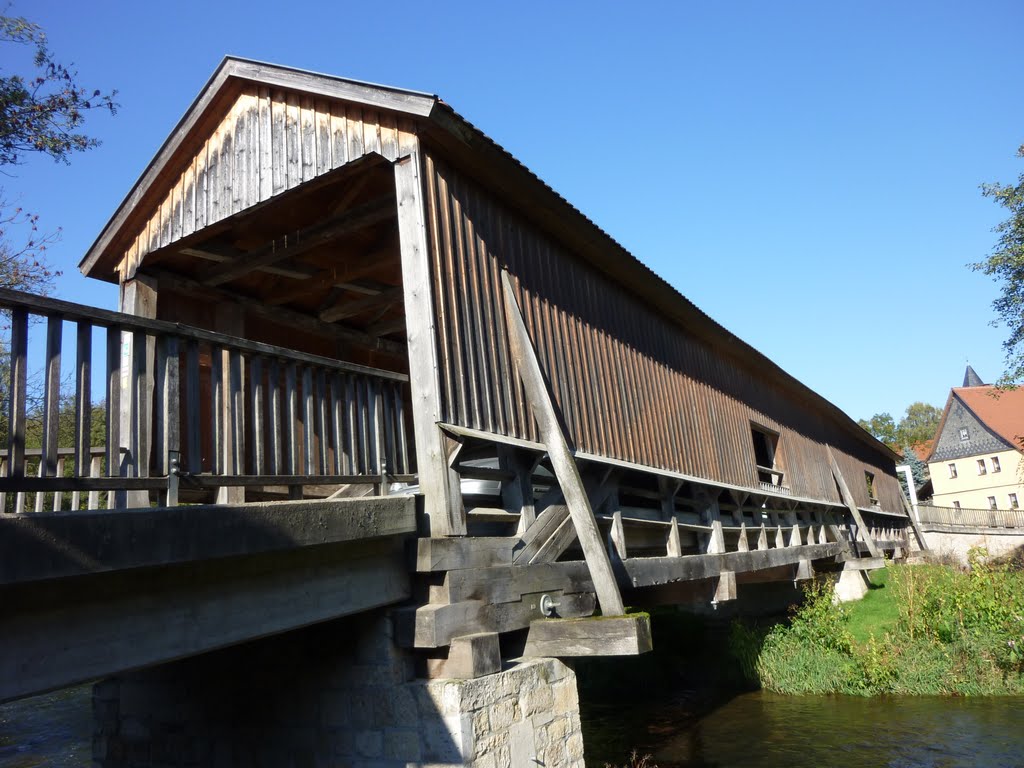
x=1001, y=410
x=457, y=135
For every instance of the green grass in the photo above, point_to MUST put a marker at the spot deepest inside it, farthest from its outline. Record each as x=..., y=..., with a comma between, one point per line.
x=877, y=613
x=921, y=630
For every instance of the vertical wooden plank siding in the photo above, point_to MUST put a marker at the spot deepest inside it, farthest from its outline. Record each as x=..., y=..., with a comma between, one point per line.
x=629, y=384
x=268, y=141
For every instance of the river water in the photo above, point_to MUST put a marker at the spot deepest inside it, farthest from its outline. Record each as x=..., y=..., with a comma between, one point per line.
x=54, y=730
x=758, y=730
x=752, y=730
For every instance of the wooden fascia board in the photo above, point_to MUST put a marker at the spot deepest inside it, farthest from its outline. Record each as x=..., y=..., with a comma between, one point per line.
x=411, y=103
x=212, y=94
x=209, y=105
x=491, y=165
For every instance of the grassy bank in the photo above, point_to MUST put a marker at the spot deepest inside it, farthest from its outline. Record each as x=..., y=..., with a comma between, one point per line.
x=921, y=630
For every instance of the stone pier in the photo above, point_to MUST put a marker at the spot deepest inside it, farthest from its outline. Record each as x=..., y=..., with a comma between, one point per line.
x=338, y=694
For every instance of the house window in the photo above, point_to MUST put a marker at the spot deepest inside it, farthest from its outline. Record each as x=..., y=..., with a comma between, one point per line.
x=963, y=433
x=952, y=471
x=1013, y=501
x=981, y=467
x=992, y=502
x=956, y=505
x=766, y=444
x=995, y=464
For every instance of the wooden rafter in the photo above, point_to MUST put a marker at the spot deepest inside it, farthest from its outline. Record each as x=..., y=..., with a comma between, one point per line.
x=302, y=241
x=346, y=309
x=337, y=276
x=387, y=327
x=285, y=268
x=279, y=314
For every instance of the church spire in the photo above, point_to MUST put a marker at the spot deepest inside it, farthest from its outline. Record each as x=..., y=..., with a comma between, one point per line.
x=972, y=379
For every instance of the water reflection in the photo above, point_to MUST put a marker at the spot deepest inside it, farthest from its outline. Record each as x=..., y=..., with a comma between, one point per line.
x=54, y=730
x=763, y=729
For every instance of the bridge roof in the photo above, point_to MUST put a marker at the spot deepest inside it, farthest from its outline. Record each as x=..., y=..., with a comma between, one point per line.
x=478, y=155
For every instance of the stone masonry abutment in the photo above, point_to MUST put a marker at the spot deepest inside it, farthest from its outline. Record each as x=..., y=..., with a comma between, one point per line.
x=339, y=694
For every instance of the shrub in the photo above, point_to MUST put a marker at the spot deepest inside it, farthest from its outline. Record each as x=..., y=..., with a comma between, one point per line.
x=958, y=633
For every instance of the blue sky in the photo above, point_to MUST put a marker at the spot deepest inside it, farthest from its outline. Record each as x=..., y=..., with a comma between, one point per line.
x=806, y=172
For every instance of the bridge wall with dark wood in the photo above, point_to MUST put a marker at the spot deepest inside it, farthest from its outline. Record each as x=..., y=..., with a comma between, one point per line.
x=631, y=383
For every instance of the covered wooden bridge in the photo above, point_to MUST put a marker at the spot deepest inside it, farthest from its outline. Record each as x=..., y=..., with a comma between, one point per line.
x=337, y=290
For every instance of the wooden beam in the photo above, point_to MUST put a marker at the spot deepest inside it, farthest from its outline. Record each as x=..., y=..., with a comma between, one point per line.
x=517, y=489
x=844, y=490
x=452, y=554
x=562, y=461
x=511, y=583
x=442, y=501
x=302, y=241
x=138, y=297
x=616, y=636
x=434, y=626
x=913, y=519
x=281, y=315
x=350, y=308
x=285, y=268
x=650, y=571
x=470, y=657
x=338, y=276
x=553, y=532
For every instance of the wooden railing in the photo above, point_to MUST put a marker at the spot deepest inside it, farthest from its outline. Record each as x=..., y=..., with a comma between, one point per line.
x=185, y=409
x=970, y=518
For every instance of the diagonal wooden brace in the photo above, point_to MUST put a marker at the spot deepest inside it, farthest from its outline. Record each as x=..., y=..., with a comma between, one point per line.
x=562, y=461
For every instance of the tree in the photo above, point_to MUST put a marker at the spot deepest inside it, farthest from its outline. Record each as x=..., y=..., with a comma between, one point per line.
x=39, y=114
x=882, y=427
x=917, y=426
x=918, y=470
x=1006, y=266
x=43, y=113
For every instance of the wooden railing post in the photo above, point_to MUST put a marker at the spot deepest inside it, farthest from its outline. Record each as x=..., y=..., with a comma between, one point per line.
x=139, y=298
x=17, y=394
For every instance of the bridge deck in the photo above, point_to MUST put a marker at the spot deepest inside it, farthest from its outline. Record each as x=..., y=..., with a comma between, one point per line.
x=89, y=594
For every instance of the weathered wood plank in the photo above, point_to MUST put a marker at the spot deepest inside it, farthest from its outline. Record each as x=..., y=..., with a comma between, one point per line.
x=648, y=571
x=507, y=584
x=83, y=399
x=844, y=489
x=431, y=461
x=51, y=397
x=600, y=636
x=17, y=394
x=434, y=626
x=452, y=554
x=139, y=298
x=470, y=657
